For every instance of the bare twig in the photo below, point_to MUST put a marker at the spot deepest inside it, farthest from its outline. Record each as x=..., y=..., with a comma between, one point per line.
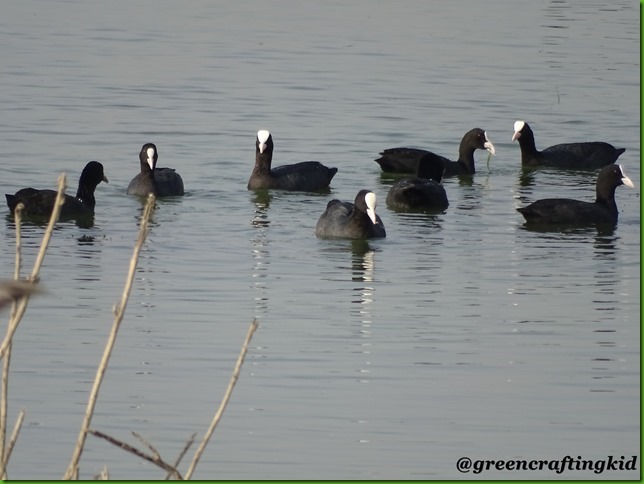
x=16, y=315
x=156, y=459
x=147, y=444
x=7, y=359
x=224, y=401
x=119, y=311
x=183, y=452
x=3, y=410
x=18, y=221
x=104, y=475
x=14, y=291
x=12, y=442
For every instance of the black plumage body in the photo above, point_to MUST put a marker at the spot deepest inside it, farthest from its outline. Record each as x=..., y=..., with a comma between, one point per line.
x=577, y=156
x=405, y=160
x=603, y=211
x=356, y=220
x=424, y=192
x=309, y=176
x=41, y=202
x=162, y=182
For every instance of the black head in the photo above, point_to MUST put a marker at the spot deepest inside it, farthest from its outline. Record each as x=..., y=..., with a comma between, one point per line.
x=522, y=129
x=477, y=139
x=610, y=177
x=92, y=174
x=149, y=156
x=431, y=166
x=366, y=202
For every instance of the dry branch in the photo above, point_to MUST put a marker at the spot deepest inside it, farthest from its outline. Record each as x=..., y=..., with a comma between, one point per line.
x=224, y=401
x=12, y=442
x=183, y=452
x=11, y=294
x=147, y=444
x=119, y=311
x=155, y=459
x=21, y=307
x=18, y=292
x=104, y=475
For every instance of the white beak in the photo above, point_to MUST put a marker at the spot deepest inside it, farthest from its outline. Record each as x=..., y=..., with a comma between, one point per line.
x=489, y=146
x=625, y=180
x=372, y=215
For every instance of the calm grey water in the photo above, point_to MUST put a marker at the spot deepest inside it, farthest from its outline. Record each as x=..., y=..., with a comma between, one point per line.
x=460, y=334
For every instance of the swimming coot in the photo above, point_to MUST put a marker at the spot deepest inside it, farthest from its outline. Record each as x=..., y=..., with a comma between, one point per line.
x=162, y=182
x=405, y=160
x=425, y=192
x=588, y=155
x=356, y=220
x=308, y=176
x=576, y=212
x=41, y=202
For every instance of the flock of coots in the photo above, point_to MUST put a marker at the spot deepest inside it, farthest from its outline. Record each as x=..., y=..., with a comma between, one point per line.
x=358, y=220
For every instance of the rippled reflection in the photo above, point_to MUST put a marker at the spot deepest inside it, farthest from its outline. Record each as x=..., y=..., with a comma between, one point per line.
x=262, y=200
x=148, y=262
x=526, y=177
x=82, y=221
x=363, y=297
x=260, y=252
x=362, y=261
x=606, y=302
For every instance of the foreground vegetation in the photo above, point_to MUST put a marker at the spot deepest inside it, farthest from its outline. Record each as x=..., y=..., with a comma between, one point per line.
x=19, y=291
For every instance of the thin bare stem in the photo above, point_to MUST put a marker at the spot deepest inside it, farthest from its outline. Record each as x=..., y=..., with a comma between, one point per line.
x=4, y=406
x=7, y=359
x=58, y=205
x=119, y=311
x=181, y=455
x=16, y=315
x=147, y=444
x=104, y=475
x=224, y=401
x=156, y=459
x=12, y=442
x=18, y=221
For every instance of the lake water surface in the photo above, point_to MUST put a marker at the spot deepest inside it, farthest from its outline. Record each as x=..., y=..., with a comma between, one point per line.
x=462, y=334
